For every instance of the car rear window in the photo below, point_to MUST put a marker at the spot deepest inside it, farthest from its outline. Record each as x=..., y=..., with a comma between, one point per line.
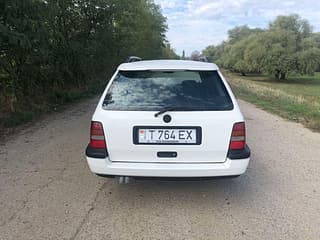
x=154, y=90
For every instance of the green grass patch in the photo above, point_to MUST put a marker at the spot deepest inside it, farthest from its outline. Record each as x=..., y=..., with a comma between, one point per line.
x=297, y=98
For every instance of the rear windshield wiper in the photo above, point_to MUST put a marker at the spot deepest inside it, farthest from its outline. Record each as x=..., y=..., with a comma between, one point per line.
x=172, y=108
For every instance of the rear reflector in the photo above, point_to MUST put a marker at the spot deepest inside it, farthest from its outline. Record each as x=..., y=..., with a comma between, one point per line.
x=97, y=139
x=238, y=137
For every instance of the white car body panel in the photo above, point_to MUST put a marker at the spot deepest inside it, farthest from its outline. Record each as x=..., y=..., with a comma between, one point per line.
x=228, y=168
x=168, y=65
x=216, y=132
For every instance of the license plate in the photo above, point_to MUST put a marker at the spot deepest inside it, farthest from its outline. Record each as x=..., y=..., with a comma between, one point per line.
x=167, y=135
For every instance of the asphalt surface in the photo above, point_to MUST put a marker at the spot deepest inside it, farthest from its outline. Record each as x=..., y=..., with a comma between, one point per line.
x=48, y=192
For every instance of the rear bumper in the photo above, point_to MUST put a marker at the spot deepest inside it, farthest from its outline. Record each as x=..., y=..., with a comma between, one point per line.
x=228, y=168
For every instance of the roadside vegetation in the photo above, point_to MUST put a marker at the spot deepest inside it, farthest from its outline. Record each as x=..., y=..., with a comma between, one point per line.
x=297, y=98
x=58, y=51
x=288, y=46
x=275, y=68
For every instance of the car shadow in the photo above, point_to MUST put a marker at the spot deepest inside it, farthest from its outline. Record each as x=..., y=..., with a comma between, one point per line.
x=182, y=192
x=244, y=190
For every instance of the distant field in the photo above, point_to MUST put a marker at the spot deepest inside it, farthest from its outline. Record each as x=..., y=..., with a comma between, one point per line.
x=297, y=98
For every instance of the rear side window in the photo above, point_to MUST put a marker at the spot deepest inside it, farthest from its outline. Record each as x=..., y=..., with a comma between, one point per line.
x=154, y=90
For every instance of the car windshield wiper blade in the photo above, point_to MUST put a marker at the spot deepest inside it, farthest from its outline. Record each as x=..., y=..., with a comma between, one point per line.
x=173, y=108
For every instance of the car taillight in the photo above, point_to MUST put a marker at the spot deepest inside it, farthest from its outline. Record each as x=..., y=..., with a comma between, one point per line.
x=238, y=137
x=97, y=139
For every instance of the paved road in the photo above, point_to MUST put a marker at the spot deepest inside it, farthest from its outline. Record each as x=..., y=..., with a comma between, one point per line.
x=48, y=192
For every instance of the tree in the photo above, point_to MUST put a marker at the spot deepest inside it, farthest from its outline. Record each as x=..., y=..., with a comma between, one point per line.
x=183, y=55
x=234, y=57
x=287, y=46
x=255, y=52
x=195, y=55
x=20, y=49
x=214, y=53
x=168, y=52
x=316, y=39
x=238, y=33
x=49, y=49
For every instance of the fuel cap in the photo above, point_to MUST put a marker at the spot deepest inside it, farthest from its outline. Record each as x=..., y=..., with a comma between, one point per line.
x=167, y=118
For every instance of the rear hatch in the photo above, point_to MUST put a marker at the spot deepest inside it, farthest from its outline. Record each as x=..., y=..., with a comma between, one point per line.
x=193, y=125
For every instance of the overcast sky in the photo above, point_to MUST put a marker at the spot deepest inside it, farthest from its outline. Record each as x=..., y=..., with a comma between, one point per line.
x=195, y=24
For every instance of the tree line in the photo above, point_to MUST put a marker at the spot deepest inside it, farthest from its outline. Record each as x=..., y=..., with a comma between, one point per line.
x=287, y=46
x=51, y=48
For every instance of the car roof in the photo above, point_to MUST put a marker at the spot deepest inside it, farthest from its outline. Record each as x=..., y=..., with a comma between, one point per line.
x=168, y=65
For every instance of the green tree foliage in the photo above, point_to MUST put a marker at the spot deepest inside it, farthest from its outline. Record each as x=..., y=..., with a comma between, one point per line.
x=214, y=53
x=233, y=53
x=168, y=52
x=51, y=47
x=287, y=46
x=233, y=58
x=238, y=33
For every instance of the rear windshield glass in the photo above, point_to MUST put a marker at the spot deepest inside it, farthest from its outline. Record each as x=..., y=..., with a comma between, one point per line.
x=154, y=90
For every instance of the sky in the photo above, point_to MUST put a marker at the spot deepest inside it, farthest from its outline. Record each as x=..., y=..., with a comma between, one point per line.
x=195, y=24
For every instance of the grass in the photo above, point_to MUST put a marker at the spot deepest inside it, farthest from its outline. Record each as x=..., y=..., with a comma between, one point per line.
x=297, y=98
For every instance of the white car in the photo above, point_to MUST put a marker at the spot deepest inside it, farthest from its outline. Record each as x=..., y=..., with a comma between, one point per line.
x=167, y=118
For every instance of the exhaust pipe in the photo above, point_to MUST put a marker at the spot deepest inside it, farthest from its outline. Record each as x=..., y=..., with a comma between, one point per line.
x=124, y=179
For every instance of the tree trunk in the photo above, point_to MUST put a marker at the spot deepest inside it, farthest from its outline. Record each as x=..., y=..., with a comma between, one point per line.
x=283, y=76
x=12, y=99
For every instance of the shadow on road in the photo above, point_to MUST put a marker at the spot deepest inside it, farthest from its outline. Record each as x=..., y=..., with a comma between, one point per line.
x=179, y=193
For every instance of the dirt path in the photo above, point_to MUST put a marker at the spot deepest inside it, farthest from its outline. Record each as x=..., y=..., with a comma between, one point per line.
x=48, y=192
